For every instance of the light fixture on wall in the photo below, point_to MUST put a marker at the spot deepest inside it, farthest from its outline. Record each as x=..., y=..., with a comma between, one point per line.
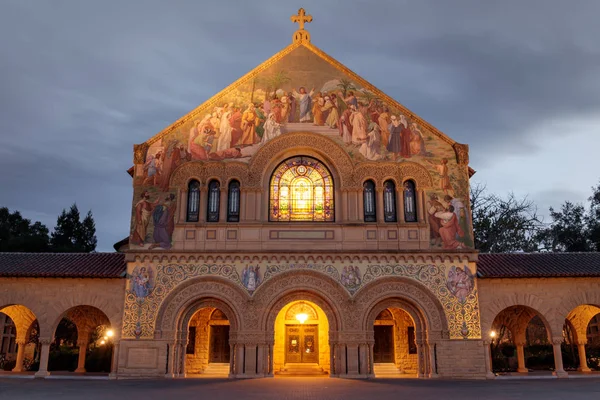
x=302, y=316
x=492, y=334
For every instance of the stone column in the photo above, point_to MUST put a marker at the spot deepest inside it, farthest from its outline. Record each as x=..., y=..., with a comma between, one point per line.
x=352, y=359
x=361, y=205
x=432, y=367
x=250, y=358
x=363, y=362
x=239, y=359
x=344, y=205
x=82, y=344
x=420, y=206
x=558, y=361
x=114, y=361
x=270, y=362
x=243, y=200
x=258, y=205
x=223, y=205
x=203, y=204
x=421, y=371
x=371, y=360
x=182, y=205
x=400, y=204
x=488, y=360
x=583, y=367
x=379, y=201
x=342, y=370
x=521, y=357
x=171, y=360
x=261, y=359
x=20, y=355
x=45, y=354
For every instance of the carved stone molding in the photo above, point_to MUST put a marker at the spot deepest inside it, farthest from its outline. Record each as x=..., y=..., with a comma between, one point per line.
x=196, y=290
x=404, y=289
x=290, y=286
x=322, y=147
x=462, y=153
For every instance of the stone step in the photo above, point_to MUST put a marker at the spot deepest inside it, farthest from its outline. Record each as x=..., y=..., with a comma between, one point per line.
x=216, y=369
x=386, y=370
x=301, y=369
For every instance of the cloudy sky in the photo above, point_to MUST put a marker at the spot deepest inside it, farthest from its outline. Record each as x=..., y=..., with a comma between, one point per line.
x=81, y=81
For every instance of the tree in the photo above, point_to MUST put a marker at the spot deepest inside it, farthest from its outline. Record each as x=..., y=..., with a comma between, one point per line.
x=568, y=230
x=345, y=85
x=503, y=225
x=19, y=234
x=593, y=219
x=71, y=235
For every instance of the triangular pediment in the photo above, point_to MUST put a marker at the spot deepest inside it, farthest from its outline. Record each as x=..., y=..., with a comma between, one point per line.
x=275, y=88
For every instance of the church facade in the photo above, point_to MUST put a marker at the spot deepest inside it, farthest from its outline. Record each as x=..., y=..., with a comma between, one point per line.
x=302, y=220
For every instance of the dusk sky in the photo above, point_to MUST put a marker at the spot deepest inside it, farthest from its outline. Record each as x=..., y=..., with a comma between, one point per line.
x=83, y=80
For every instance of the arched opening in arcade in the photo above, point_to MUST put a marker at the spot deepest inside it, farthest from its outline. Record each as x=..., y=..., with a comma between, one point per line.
x=208, y=351
x=521, y=342
x=82, y=342
x=19, y=344
x=581, y=332
x=395, y=344
x=301, y=344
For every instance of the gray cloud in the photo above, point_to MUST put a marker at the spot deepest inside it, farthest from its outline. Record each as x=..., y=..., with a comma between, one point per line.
x=82, y=81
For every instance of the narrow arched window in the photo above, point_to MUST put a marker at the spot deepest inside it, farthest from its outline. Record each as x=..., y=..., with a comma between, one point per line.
x=410, y=202
x=233, y=202
x=193, y=201
x=389, y=201
x=369, y=201
x=214, y=194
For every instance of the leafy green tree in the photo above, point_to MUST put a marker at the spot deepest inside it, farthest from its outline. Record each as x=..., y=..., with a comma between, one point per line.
x=568, y=230
x=18, y=234
x=71, y=235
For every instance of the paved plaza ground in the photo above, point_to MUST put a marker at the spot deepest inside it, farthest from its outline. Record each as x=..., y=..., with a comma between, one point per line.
x=299, y=388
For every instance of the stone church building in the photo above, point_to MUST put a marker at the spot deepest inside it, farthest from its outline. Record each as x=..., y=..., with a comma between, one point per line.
x=300, y=221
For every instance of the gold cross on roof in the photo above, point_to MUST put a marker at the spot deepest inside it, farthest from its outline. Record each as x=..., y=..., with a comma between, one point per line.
x=301, y=18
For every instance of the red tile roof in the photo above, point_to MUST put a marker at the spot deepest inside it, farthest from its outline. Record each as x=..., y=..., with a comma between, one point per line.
x=63, y=265
x=538, y=265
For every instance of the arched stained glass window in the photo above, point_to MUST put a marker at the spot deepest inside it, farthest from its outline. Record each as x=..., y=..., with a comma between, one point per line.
x=193, y=201
x=233, y=202
x=389, y=201
x=410, y=202
x=369, y=201
x=214, y=195
x=301, y=190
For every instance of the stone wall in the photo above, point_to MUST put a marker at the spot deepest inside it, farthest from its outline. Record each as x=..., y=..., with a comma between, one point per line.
x=404, y=361
x=197, y=362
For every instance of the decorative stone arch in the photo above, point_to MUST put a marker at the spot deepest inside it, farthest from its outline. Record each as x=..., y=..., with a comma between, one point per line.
x=399, y=172
x=203, y=171
x=13, y=302
x=415, y=313
x=22, y=317
x=579, y=319
x=314, y=145
x=580, y=304
x=294, y=285
x=542, y=308
x=111, y=309
x=85, y=318
x=182, y=298
x=411, y=293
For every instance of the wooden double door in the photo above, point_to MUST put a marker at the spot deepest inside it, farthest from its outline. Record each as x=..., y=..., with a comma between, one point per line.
x=383, y=348
x=219, y=344
x=302, y=344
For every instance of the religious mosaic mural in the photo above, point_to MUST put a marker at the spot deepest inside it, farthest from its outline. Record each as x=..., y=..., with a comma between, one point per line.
x=300, y=89
x=453, y=285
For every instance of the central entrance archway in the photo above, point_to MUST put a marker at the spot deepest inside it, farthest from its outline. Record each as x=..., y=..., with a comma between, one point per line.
x=208, y=351
x=301, y=344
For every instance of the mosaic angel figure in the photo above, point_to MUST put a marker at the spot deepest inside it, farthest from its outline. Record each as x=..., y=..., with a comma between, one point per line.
x=460, y=282
x=142, y=281
x=251, y=277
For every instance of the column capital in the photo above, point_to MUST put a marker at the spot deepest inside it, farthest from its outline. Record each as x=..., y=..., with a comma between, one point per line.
x=21, y=342
x=521, y=343
x=45, y=341
x=557, y=341
x=82, y=343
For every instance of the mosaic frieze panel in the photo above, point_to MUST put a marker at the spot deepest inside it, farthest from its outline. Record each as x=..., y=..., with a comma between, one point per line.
x=453, y=285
